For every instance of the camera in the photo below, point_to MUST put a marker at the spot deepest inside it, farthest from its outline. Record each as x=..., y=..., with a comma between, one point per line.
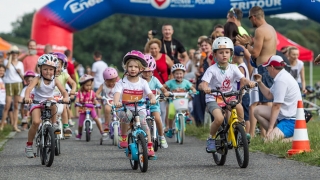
x=154, y=32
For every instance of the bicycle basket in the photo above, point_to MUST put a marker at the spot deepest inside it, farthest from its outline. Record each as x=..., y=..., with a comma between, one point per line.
x=180, y=104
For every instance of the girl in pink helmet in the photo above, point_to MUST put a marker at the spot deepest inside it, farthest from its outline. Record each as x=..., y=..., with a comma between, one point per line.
x=155, y=85
x=110, y=76
x=87, y=96
x=133, y=87
x=28, y=77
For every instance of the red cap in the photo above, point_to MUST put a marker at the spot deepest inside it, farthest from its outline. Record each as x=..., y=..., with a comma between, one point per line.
x=274, y=60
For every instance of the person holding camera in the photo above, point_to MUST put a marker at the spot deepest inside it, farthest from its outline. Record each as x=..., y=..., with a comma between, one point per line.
x=30, y=59
x=13, y=84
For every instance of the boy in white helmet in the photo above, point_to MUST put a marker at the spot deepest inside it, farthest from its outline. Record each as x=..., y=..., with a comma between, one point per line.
x=221, y=75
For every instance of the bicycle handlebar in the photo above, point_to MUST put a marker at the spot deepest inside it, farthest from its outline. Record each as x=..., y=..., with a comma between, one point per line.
x=45, y=101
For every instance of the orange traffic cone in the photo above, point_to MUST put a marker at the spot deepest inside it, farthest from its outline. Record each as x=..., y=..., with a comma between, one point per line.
x=300, y=141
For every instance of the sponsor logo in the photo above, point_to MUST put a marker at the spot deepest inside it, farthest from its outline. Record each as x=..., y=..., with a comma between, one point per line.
x=76, y=6
x=163, y=4
x=266, y=5
x=160, y=4
x=54, y=47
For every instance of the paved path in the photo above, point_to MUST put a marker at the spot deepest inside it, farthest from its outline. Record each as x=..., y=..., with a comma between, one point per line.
x=89, y=160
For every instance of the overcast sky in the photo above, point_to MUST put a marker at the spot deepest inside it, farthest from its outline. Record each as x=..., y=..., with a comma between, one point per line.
x=11, y=10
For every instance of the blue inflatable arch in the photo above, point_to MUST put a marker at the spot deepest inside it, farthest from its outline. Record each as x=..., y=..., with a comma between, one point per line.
x=56, y=22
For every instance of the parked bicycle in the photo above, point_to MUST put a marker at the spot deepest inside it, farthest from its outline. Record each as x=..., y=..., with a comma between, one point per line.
x=232, y=133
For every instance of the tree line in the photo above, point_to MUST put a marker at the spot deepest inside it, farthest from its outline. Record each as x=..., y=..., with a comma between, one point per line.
x=118, y=34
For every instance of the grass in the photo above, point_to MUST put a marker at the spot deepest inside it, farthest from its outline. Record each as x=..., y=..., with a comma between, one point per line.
x=6, y=131
x=276, y=148
x=316, y=73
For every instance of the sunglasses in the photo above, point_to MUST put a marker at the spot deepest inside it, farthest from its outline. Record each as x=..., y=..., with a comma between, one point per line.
x=250, y=17
x=234, y=13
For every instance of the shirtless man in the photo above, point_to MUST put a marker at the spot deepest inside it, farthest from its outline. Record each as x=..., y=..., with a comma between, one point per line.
x=261, y=47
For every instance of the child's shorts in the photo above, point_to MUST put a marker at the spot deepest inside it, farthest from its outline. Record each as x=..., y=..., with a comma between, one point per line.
x=126, y=117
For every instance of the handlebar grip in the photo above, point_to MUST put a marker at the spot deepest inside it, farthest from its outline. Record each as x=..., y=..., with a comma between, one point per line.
x=232, y=93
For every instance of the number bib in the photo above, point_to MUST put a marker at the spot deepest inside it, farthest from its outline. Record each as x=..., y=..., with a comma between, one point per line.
x=131, y=96
x=83, y=109
x=220, y=101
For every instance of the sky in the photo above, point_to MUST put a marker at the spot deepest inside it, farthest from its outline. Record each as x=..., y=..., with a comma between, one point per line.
x=11, y=10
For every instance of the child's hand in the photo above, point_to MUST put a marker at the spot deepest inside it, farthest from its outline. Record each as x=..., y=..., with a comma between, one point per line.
x=28, y=100
x=207, y=90
x=98, y=97
x=118, y=104
x=66, y=100
x=166, y=94
x=153, y=101
x=194, y=91
x=71, y=96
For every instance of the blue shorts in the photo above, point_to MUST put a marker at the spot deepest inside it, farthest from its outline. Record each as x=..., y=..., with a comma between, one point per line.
x=287, y=127
x=267, y=80
x=245, y=104
x=155, y=108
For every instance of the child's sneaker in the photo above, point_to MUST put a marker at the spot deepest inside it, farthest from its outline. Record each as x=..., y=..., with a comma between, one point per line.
x=67, y=132
x=71, y=123
x=248, y=138
x=123, y=143
x=106, y=128
x=163, y=142
x=78, y=137
x=105, y=136
x=29, y=152
x=169, y=134
x=150, y=150
x=211, y=145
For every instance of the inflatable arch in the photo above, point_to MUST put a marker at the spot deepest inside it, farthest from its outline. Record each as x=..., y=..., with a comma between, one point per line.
x=56, y=22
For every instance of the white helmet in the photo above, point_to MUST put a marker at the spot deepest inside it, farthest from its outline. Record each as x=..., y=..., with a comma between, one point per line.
x=177, y=67
x=222, y=43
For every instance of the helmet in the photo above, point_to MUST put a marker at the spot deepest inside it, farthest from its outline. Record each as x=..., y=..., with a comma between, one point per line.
x=48, y=59
x=134, y=55
x=29, y=74
x=110, y=73
x=151, y=63
x=177, y=67
x=62, y=57
x=85, y=78
x=222, y=43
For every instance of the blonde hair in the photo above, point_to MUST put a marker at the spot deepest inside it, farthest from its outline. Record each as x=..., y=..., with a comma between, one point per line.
x=136, y=61
x=291, y=48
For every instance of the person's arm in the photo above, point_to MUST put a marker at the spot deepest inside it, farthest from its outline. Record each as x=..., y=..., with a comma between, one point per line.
x=62, y=90
x=98, y=92
x=264, y=90
x=275, y=109
x=9, y=61
x=33, y=83
x=255, y=50
x=169, y=61
x=73, y=87
x=21, y=58
x=303, y=80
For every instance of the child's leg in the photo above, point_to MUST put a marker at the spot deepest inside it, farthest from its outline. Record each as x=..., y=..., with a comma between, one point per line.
x=125, y=118
x=158, y=122
x=95, y=117
x=82, y=116
x=145, y=127
x=107, y=116
x=35, y=125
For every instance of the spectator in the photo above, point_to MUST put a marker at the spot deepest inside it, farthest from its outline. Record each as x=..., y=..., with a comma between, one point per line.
x=30, y=59
x=70, y=67
x=88, y=70
x=80, y=70
x=278, y=120
x=172, y=46
x=13, y=83
x=48, y=49
x=97, y=70
x=235, y=15
x=297, y=68
x=218, y=29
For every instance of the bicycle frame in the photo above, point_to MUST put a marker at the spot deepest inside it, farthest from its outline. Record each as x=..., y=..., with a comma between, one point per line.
x=232, y=120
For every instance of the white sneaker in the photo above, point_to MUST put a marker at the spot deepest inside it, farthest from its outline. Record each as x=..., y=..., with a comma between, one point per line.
x=29, y=152
x=105, y=136
x=163, y=142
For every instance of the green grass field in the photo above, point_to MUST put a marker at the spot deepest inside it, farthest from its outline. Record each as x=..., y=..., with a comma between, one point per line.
x=316, y=73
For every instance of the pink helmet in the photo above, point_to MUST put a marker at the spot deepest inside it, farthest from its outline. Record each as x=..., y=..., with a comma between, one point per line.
x=85, y=78
x=110, y=73
x=29, y=74
x=134, y=55
x=151, y=63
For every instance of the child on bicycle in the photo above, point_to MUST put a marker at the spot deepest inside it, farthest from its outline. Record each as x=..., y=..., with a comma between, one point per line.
x=28, y=77
x=177, y=84
x=87, y=96
x=110, y=76
x=155, y=84
x=43, y=87
x=220, y=76
x=133, y=88
x=64, y=78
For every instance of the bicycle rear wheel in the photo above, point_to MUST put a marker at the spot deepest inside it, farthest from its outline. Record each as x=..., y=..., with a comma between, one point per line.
x=87, y=129
x=49, y=146
x=242, y=149
x=134, y=164
x=115, y=134
x=57, y=148
x=142, y=153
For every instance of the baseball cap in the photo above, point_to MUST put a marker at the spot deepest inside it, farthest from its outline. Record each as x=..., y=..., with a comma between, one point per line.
x=275, y=61
x=238, y=51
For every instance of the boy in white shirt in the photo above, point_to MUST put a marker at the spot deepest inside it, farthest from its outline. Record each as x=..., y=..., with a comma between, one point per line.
x=221, y=75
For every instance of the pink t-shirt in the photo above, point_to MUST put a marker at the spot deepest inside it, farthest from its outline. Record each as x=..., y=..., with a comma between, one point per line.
x=86, y=97
x=30, y=63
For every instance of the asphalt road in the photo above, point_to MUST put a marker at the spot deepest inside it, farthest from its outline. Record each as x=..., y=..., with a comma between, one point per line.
x=89, y=160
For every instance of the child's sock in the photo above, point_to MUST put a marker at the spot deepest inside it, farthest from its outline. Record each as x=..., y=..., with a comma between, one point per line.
x=65, y=125
x=150, y=144
x=29, y=143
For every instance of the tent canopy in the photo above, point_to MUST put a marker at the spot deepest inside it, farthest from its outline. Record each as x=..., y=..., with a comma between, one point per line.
x=4, y=45
x=305, y=54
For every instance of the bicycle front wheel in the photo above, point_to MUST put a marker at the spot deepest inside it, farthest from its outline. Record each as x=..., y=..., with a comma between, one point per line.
x=115, y=134
x=134, y=164
x=87, y=128
x=242, y=148
x=181, y=133
x=49, y=146
x=142, y=153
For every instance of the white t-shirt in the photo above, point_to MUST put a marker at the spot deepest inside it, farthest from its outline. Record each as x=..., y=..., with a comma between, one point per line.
x=236, y=84
x=286, y=90
x=295, y=70
x=23, y=92
x=108, y=92
x=12, y=75
x=98, y=67
x=44, y=91
x=217, y=79
x=132, y=91
x=2, y=92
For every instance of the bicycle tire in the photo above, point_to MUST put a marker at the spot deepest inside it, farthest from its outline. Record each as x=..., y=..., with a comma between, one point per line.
x=57, y=147
x=40, y=149
x=143, y=154
x=134, y=164
x=241, y=139
x=115, y=135
x=220, y=156
x=49, y=146
x=156, y=142
x=181, y=133
x=87, y=129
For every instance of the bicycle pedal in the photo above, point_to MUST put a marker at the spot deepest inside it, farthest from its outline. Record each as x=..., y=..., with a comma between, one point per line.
x=57, y=132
